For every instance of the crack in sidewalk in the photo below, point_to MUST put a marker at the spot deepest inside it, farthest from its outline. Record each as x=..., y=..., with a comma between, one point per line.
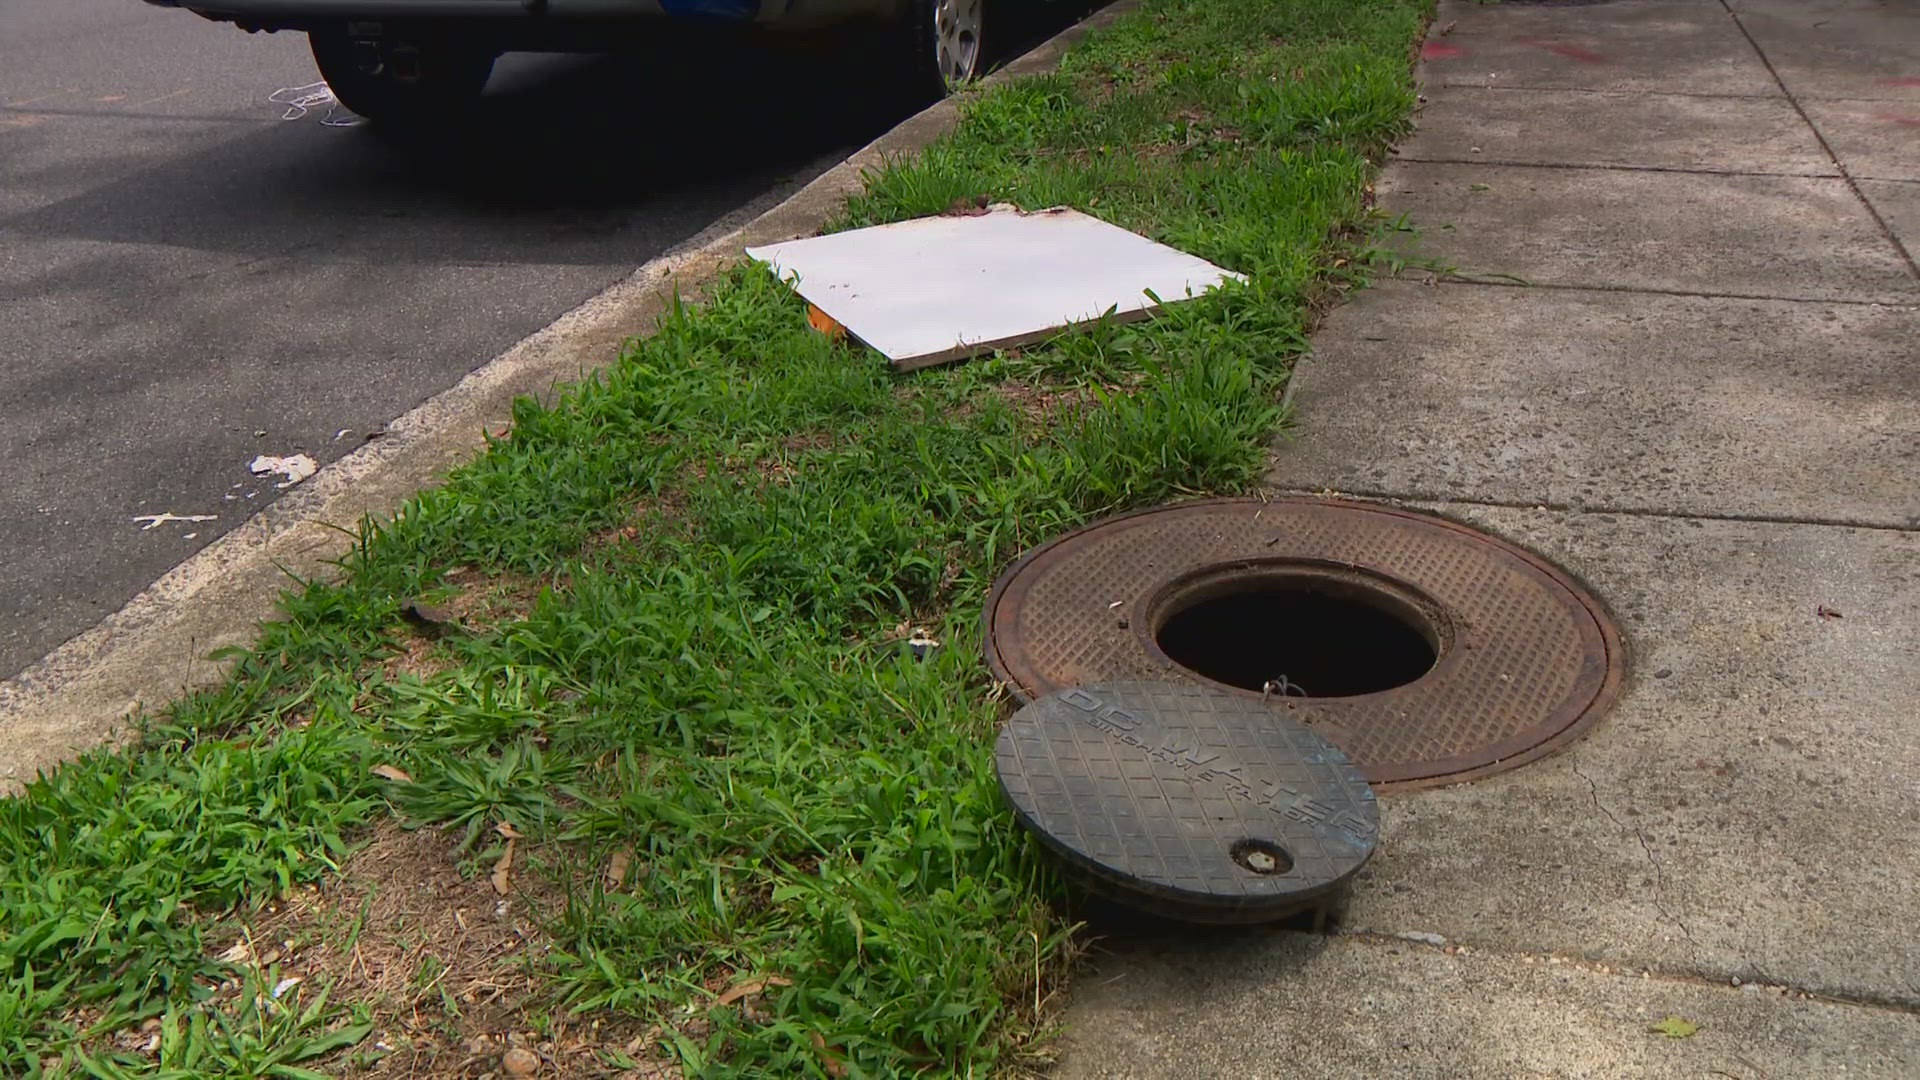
x=1458, y=279
x=1694, y=977
x=1415, y=498
x=1659, y=871
x=1594, y=166
x=1886, y=230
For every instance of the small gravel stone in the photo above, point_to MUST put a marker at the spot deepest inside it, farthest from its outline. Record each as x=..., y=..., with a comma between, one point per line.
x=520, y=1061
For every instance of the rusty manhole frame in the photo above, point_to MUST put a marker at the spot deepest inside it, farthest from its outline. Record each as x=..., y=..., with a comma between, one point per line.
x=1597, y=673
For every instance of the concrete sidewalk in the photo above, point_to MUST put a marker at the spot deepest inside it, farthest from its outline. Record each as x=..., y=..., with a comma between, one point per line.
x=1705, y=402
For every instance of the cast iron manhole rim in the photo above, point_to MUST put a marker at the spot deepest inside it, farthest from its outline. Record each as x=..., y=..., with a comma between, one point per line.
x=1556, y=642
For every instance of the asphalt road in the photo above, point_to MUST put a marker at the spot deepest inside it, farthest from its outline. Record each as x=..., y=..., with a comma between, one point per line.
x=188, y=279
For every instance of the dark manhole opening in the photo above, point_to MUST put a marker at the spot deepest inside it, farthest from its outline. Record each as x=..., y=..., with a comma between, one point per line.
x=1298, y=635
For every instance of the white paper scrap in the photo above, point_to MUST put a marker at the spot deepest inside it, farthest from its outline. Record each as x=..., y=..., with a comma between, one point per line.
x=295, y=468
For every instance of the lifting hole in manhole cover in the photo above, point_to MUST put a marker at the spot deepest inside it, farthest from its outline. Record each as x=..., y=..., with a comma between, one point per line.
x=1295, y=630
x=1429, y=651
x=1261, y=857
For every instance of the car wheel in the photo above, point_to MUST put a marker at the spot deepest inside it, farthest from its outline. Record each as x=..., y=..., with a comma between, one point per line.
x=400, y=82
x=945, y=42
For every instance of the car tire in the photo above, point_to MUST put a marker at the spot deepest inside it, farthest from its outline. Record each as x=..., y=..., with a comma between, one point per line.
x=944, y=43
x=400, y=83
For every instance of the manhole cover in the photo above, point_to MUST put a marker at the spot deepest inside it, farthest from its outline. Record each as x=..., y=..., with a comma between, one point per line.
x=1186, y=801
x=1430, y=652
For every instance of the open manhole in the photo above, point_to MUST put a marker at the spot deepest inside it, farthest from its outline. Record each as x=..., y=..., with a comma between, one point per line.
x=1430, y=652
x=1188, y=802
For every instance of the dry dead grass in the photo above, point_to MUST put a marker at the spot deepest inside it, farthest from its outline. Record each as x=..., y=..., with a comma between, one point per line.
x=444, y=963
x=487, y=603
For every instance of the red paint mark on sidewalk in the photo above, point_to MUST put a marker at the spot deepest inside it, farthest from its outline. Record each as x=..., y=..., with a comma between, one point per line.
x=1897, y=118
x=1440, y=50
x=1902, y=80
x=1571, y=52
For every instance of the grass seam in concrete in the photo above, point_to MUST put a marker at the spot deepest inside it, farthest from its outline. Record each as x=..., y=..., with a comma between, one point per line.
x=88, y=690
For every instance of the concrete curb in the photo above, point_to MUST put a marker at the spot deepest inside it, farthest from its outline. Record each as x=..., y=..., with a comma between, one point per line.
x=153, y=650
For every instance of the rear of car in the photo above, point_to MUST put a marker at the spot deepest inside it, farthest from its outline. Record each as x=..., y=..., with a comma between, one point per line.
x=408, y=62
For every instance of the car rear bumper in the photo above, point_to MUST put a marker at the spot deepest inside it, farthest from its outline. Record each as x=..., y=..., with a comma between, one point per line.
x=296, y=13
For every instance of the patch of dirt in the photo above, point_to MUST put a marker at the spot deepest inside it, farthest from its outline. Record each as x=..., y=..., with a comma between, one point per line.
x=416, y=656
x=1039, y=403
x=489, y=602
x=809, y=442
x=482, y=604
x=649, y=515
x=441, y=960
x=780, y=466
x=1046, y=402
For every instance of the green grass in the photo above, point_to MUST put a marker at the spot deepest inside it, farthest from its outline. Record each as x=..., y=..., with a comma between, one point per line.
x=726, y=530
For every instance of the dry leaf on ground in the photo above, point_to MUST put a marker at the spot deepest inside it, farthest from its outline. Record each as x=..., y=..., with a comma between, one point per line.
x=750, y=988
x=1674, y=1027
x=833, y=1065
x=503, y=871
x=617, y=868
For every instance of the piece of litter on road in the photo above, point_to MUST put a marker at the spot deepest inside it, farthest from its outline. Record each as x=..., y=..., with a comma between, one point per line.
x=154, y=521
x=301, y=100
x=945, y=288
x=342, y=433
x=295, y=468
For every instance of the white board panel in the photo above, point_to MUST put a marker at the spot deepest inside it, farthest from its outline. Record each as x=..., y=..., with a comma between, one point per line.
x=943, y=288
